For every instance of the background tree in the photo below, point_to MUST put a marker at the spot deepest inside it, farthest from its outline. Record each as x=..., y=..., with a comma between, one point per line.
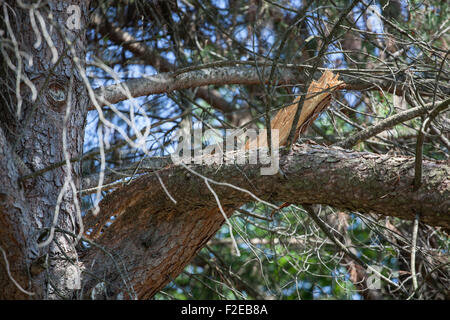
x=93, y=92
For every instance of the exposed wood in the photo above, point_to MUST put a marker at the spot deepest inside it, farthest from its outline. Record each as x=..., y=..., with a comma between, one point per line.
x=317, y=99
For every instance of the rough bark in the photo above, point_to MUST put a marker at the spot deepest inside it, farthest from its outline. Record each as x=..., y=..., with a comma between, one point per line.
x=15, y=225
x=156, y=238
x=34, y=141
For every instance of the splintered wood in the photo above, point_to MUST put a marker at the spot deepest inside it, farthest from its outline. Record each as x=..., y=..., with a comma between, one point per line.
x=317, y=99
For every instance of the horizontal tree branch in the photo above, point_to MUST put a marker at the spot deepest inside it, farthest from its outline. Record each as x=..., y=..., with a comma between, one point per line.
x=359, y=181
x=242, y=75
x=161, y=236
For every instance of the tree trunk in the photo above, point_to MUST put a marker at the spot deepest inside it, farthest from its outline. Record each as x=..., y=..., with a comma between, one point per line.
x=34, y=140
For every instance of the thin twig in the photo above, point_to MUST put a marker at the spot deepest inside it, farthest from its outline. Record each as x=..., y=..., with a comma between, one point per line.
x=413, y=252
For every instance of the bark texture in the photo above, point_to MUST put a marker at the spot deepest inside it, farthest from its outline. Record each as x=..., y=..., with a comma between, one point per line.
x=156, y=238
x=34, y=140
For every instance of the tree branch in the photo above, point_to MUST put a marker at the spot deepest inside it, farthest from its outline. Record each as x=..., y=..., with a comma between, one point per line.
x=389, y=123
x=153, y=58
x=162, y=237
x=243, y=75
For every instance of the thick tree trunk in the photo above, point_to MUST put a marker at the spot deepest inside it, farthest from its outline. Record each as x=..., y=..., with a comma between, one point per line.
x=33, y=141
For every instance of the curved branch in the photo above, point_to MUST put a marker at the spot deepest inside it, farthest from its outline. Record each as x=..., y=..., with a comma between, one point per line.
x=158, y=238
